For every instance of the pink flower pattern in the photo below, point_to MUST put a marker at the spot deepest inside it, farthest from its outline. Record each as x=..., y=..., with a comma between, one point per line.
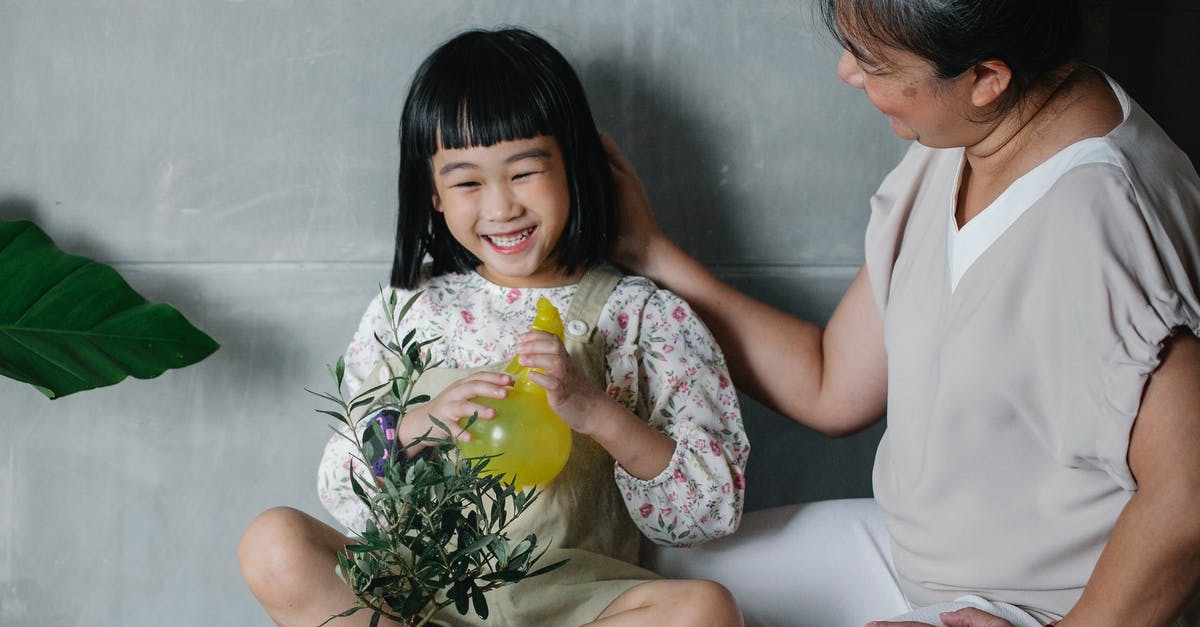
x=661, y=363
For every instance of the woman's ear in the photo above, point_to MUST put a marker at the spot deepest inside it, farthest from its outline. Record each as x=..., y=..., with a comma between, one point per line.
x=990, y=80
x=437, y=202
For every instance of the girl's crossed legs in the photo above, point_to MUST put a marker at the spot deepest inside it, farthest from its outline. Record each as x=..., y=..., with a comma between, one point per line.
x=288, y=558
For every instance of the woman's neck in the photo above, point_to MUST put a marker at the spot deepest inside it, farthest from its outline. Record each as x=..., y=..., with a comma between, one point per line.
x=1076, y=105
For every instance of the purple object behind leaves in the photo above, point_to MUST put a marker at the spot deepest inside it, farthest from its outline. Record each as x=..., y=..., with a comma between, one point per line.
x=386, y=420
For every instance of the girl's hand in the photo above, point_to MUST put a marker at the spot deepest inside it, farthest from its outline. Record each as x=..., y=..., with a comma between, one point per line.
x=570, y=395
x=452, y=404
x=637, y=229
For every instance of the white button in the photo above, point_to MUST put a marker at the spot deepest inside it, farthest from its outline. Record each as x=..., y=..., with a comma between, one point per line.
x=577, y=327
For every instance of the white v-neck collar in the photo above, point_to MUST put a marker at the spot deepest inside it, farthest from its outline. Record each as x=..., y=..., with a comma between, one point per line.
x=965, y=245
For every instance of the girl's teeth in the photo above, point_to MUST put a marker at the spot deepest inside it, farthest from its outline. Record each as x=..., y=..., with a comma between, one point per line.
x=508, y=241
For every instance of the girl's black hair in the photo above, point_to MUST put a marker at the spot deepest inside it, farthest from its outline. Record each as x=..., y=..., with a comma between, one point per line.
x=1033, y=37
x=484, y=87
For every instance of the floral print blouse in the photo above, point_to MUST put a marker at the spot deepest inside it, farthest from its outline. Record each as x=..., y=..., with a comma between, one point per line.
x=661, y=363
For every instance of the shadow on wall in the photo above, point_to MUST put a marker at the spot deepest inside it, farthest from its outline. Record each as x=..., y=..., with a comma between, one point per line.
x=675, y=151
x=678, y=155
x=18, y=208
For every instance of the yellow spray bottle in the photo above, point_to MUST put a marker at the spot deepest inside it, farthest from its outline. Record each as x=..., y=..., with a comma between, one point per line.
x=532, y=442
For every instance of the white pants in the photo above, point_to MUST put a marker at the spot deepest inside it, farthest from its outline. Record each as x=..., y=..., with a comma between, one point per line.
x=823, y=564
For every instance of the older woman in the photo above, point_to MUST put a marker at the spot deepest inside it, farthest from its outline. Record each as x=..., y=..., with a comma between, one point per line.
x=1026, y=316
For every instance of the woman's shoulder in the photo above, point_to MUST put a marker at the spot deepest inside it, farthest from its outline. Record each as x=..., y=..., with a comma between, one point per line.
x=1155, y=167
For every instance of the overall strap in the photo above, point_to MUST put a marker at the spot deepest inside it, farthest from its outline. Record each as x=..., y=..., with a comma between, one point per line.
x=583, y=341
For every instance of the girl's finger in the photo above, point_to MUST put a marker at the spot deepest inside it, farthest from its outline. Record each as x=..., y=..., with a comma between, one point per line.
x=483, y=388
x=538, y=336
x=487, y=376
x=547, y=382
x=547, y=363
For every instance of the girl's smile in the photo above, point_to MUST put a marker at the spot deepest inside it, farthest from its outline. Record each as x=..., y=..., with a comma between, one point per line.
x=510, y=243
x=508, y=204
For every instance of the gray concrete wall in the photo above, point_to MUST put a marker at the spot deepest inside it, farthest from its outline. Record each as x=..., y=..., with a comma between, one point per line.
x=236, y=159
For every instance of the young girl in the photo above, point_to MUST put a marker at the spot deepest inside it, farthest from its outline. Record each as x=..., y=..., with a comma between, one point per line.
x=504, y=184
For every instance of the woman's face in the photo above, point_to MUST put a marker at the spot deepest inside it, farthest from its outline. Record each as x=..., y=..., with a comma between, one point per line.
x=919, y=106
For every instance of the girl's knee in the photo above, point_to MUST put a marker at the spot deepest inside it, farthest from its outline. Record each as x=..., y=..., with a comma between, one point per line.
x=711, y=604
x=683, y=603
x=277, y=548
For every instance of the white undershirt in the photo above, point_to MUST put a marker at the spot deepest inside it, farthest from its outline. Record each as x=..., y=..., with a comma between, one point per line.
x=965, y=245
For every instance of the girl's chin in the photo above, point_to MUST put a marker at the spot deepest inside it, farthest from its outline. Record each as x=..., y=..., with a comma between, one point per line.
x=524, y=277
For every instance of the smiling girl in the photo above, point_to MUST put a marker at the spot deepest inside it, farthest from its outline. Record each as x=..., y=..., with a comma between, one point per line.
x=505, y=188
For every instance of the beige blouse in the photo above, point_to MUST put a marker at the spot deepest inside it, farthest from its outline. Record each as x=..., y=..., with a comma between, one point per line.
x=1011, y=397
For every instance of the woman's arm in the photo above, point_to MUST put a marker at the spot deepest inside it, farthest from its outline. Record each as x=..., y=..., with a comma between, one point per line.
x=1150, y=567
x=832, y=379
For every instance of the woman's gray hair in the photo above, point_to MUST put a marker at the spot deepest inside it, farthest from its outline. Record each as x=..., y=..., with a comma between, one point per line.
x=1033, y=37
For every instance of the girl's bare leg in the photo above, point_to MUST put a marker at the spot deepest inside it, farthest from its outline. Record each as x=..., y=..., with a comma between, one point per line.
x=671, y=603
x=288, y=559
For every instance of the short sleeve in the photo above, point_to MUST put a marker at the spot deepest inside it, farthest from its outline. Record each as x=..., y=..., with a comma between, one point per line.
x=922, y=171
x=1124, y=288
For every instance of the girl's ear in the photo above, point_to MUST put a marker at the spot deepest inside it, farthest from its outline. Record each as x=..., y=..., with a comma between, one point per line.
x=989, y=80
x=437, y=202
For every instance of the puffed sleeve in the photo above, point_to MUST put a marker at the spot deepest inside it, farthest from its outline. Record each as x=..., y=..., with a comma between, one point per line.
x=333, y=473
x=664, y=365
x=1130, y=271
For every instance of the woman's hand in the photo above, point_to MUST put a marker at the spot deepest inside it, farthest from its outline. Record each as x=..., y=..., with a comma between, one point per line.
x=966, y=617
x=570, y=395
x=452, y=404
x=637, y=231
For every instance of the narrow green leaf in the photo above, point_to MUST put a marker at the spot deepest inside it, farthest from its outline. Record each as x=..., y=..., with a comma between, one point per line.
x=334, y=414
x=545, y=569
x=481, y=606
x=408, y=305
x=460, y=594
x=344, y=614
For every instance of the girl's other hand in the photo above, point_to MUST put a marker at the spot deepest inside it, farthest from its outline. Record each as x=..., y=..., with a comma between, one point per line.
x=570, y=395
x=637, y=229
x=451, y=405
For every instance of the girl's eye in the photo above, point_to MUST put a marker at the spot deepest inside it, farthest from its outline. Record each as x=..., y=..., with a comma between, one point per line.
x=523, y=175
x=465, y=185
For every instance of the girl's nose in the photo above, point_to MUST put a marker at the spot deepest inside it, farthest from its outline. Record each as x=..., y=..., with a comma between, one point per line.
x=501, y=205
x=848, y=70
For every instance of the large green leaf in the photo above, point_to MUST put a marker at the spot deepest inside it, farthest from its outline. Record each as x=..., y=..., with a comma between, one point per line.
x=69, y=324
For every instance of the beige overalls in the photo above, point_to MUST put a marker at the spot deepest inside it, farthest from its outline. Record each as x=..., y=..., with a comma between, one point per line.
x=579, y=515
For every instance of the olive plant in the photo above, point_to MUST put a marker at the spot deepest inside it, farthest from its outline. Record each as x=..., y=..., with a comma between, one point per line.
x=435, y=536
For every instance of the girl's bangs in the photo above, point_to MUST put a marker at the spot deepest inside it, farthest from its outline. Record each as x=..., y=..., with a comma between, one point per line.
x=483, y=110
